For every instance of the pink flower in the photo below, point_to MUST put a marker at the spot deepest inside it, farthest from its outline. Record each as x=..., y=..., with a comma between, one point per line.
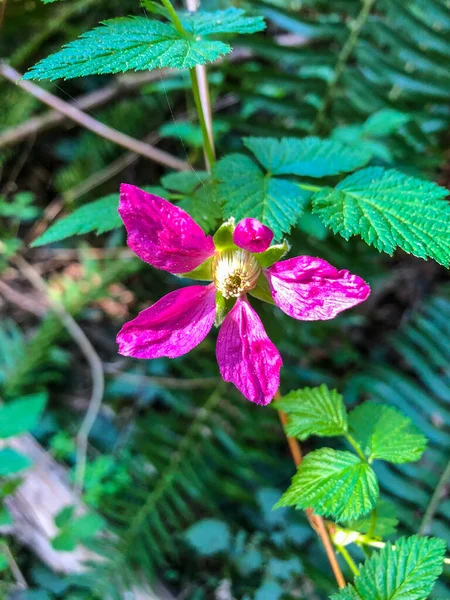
x=238, y=261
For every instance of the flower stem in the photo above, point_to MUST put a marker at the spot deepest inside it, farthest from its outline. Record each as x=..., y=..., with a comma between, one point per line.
x=316, y=522
x=348, y=559
x=351, y=440
x=310, y=188
x=174, y=17
x=207, y=141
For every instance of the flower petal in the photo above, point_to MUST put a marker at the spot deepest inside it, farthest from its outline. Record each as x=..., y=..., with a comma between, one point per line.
x=246, y=356
x=253, y=236
x=310, y=289
x=162, y=234
x=172, y=326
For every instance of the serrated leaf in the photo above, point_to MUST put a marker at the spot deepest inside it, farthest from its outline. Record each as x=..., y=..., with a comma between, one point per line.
x=309, y=156
x=406, y=571
x=385, y=433
x=334, y=483
x=137, y=43
x=245, y=191
x=20, y=416
x=388, y=210
x=12, y=462
x=384, y=518
x=314, y=411
x=231, y=20
x=99, y=216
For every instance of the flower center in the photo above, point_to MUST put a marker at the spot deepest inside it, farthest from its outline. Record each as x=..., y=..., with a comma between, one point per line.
x=235, y=272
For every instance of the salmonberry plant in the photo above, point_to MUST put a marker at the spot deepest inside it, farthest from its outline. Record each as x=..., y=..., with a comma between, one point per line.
x=227, y=226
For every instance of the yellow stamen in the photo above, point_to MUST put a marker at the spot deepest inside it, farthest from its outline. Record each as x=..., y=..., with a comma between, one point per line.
x=235, y=272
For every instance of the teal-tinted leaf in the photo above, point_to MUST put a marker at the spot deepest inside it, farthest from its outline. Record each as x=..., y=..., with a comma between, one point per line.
x=314, y=411
x=310, y=156
x=245, y=191
x=137, y=43
x=384, y=516
x=208, y=537
x=385, y=122
x=99, y=216
x=406, y=571
x=388, y=210
x=334, y=483
x=385, y=433
x=269, y=590
x=19, y=416
x=11, y=462
x=231, y=20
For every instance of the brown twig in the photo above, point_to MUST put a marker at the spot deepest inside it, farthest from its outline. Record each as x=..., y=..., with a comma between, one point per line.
x=316, y=522
x=203, y=88
x=124, y=84
x=92, y=358
x=92, y=124
x=165, y=382
x=96, y=179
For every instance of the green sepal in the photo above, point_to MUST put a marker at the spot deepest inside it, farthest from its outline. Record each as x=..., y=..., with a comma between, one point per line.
x=223, y=238
x=223, y=307
x=272, y=254
x=262, y=290
x=202, y=273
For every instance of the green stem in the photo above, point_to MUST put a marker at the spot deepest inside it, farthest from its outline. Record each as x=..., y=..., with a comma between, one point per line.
x=207, y=145
x=434, y=501
x=355, y=27
x=310, y=188
x=351, y=440
x=174, y=17
x=209, y=150
x=348, y=559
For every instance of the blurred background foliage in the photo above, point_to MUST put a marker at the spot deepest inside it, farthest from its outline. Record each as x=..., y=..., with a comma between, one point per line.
x=182, y=472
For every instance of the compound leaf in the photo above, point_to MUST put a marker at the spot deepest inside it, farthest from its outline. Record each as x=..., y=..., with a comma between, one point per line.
x=309, y=156
x=245, y=191
x=388, y=210
x=406, y=571
x=99, y=216
x=385, y=433
x=314, y=411
x=334, y=483
x=136, y=43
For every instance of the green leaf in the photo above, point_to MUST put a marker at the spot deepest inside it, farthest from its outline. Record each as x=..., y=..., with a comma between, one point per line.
x=385, y=122
x=99, y=216
x=11, y=462
x=138, y=43
x=385, y=519
x=310, y=156
x=19, y=416
x=231, y=20
x=208, y=537
x=314, y=411
x=385, y=433
x=334, y=483
x=245, y=191
x=273, y=254
x=406, y=571
x=388, y=210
